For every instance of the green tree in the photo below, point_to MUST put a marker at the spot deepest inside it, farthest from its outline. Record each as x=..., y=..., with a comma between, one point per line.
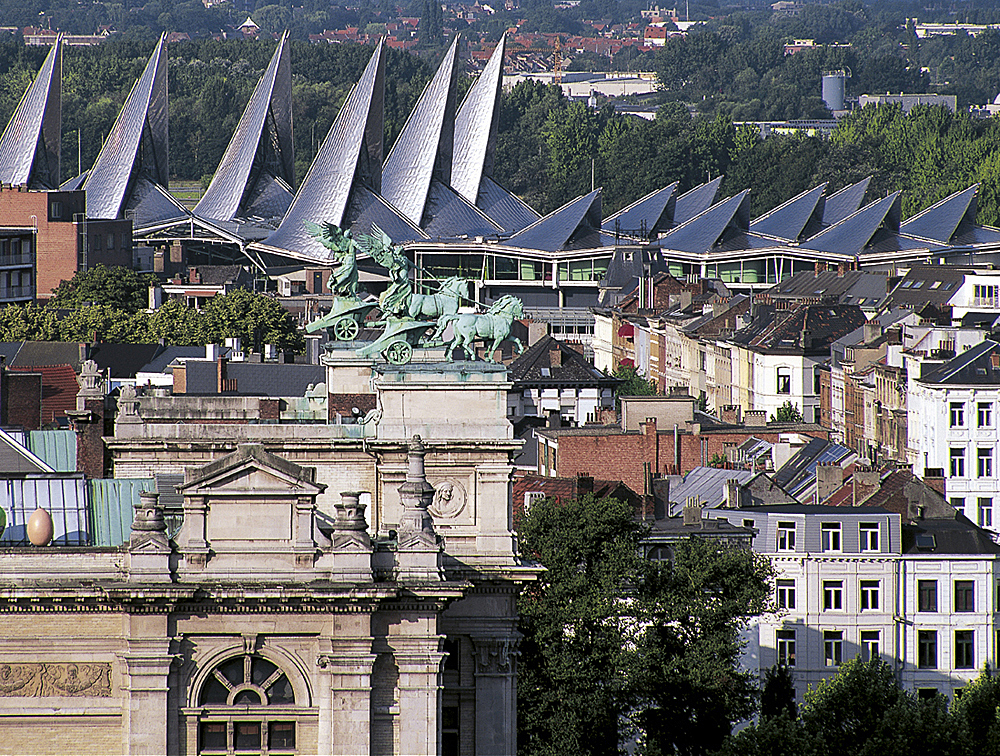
x=778, y=695
x=787, y=413
x=255, y=319
x=978, y=711
x=120, y=288
x=616, y=645
x=633, y=384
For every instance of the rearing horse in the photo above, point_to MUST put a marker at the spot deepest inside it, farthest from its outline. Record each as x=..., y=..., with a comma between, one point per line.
x=493, y=326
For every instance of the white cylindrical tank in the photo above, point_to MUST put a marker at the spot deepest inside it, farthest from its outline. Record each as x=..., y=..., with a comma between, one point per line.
x=833, y=89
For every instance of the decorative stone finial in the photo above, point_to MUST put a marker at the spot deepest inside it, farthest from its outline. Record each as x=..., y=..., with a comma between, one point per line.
x=128, y=405
x=149, y=525
x=416, y=528
x=350, y=529
x=91, y=384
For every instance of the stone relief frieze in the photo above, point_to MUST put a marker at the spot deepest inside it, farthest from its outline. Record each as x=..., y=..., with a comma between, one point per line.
x=55, y=679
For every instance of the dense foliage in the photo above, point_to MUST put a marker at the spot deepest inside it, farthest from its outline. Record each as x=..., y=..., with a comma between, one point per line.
x=862, y=710
x=106, y=305
x=620, y=647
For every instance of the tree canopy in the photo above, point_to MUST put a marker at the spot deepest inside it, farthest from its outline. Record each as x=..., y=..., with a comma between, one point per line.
x=117, y=287
x=617, y=646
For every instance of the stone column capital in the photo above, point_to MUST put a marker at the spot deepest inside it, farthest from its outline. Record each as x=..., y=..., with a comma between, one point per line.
x=496, y=655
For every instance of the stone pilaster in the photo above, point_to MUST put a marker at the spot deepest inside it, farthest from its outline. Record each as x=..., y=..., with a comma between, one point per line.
x=345, y=694
x=191, y=541
x=496, y=695
x=146, y=666
x=418, y=660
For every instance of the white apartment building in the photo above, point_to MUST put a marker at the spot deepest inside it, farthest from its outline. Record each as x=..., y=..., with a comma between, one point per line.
x=855, y=581
x=953, y=426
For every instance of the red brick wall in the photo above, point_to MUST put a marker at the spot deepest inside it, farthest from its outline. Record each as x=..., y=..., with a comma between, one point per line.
x=270, y=409
x=621, y=457
x=22, y=401
x=344, y=404
x=90, y=452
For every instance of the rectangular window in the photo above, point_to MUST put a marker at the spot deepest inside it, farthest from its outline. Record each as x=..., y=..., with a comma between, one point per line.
x=984, y=462
x=786, y=647
x=956, y=415
x=784, y=381
x=280, y=735
x=56, y=210
x=985, y=512
x=830, y=536
x=449, y=731
x=786, y=594
x=869, y=644
x=833, y=647
x=957, y=458
x=786, y=536
x=816, y=380
x=964, y=656
x=927, y=595
x=964, y=596
x=111, y=241
x=958, y=502
x=984, y=414
x=213, y=736
x=869, y=594
x=869, y=536
x=927, y=649
x=247, y=736
x=833, y=594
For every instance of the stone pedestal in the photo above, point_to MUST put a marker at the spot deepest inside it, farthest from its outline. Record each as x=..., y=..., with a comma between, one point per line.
x=496, y=695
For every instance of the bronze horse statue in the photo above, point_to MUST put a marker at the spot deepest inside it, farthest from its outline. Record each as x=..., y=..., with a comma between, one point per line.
x=492, y=326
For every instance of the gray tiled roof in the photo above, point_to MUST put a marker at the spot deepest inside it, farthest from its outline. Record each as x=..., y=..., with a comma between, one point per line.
x=941, y=220
x=696, y=201
x=845, y=202
x=853, y=234
x=503, y=207
x=30, y=145
x=972, y=367
x=704, y=231
x=652, y=213
x=555, y=230
x=792, y=219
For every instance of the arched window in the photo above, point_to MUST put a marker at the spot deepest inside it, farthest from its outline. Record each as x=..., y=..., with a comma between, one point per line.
x=248, y=707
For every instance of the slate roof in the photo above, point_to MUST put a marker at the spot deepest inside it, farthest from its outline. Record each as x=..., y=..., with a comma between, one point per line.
x=927, y=284
x=853, y=234
x=257, y=170
x=31, y=143
x=134, y=159
x=845, y=202
x=565, y=489
x=709, y=228
x=973, y=367
x=858, y=287
x=940, y=222
x=503, y=207
x=794, y=219
x=271, y=379
x=165, y=355
x=34, y=353
x=948, y=536
x=558, y=228
x=696, y=201
x=534, y=366
x=707, y=485
x=123, y=360
x=782, y=330
x=423, y=149
x=653, y=213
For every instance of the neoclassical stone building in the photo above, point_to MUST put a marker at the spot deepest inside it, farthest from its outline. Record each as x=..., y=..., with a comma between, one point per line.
x=336, y=589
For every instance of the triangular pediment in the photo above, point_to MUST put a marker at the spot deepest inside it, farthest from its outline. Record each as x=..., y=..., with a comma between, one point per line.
x=251, y=470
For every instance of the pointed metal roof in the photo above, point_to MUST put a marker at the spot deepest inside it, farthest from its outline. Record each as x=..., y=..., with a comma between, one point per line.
x=137, y=146
x=257, y=170
x=696, y=201
x=704, y=231
x=350, y=157
x=652, y=213
x=845, y=202
x=941, y=220
x=557, y=229
x=423, y=149
x=791, y=219
x=476, y=127
x=855, y=232
x=30, y=145
x=452, y=215
x=507, y=209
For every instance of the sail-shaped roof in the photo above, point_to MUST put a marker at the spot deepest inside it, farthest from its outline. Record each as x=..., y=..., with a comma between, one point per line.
x=30, y=145
x=696, y=201
x=423, y=150
x=855, y=232
x=452, y=215
x=579, y=217
x=792, y=219
x=476, y=128
x=136, y=153
x=507, y=209
x=706, y=230
x=941, y=220
x=651, y=214
x=342, y=184
x=845, y=202
x=257, y=171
